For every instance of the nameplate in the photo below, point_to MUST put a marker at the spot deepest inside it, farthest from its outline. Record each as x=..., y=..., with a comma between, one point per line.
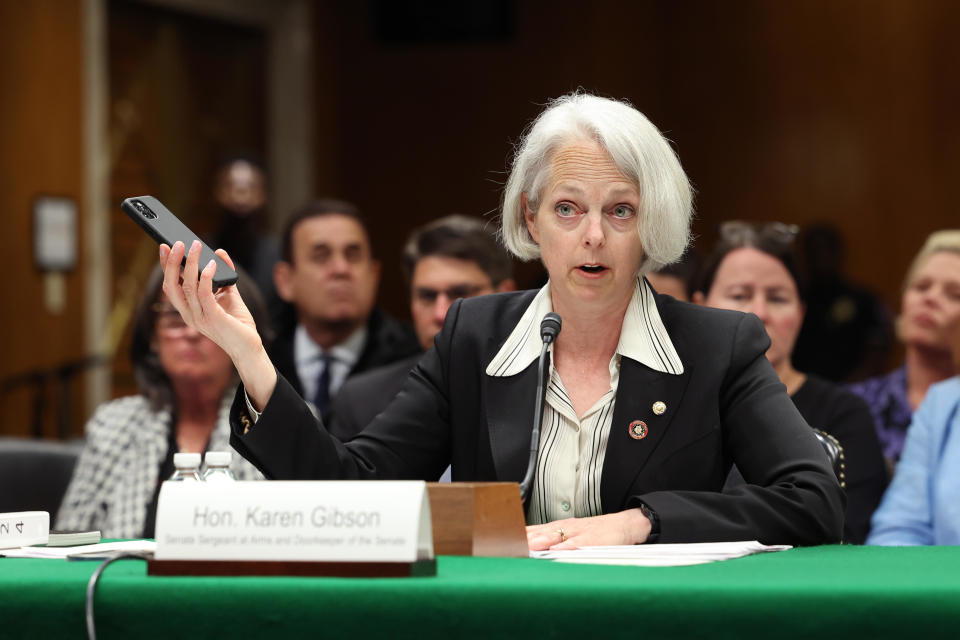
x=24, y=528
x=336, y=521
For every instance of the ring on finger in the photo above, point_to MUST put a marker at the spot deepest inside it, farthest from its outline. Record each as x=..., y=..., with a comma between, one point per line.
x=563, y=535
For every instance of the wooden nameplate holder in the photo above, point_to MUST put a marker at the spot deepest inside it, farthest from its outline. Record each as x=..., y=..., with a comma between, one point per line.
x=477, y=519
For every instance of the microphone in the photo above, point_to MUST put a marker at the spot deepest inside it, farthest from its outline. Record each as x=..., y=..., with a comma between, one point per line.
x=549, y=330
x=550, y=327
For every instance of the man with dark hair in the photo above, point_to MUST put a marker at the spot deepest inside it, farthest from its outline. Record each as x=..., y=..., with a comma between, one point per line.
x=453, y=257
x=329, y=275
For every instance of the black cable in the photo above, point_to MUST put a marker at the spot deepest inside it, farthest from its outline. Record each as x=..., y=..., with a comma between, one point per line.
x=92, y=587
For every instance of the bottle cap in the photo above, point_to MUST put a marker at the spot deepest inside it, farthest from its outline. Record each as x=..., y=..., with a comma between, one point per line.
x=186, y=460
x=218, y=458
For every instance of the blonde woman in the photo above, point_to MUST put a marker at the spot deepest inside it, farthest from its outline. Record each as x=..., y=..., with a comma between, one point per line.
x=929, y=315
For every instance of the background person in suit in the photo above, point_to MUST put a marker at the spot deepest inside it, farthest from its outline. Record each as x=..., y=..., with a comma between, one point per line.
x=754, y=269
x=186, y=384
x=329, y=275
x=599, y=196
x=453, y=257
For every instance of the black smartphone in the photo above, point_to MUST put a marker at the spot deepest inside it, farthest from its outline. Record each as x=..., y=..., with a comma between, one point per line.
x=164, y=227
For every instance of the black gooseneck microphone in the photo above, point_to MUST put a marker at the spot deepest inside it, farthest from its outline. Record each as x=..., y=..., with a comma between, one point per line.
x=549, y=330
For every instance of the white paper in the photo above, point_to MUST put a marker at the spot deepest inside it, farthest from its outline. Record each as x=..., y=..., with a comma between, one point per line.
x=102, y=550
x=660, y=555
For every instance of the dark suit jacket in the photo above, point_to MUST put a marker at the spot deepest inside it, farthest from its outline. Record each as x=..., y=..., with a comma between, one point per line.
x=387, y=341
x=363, y=396
x=728, y=406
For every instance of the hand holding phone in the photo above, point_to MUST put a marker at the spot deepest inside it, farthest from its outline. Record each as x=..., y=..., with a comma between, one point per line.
x=164, y=227
x=222, y=316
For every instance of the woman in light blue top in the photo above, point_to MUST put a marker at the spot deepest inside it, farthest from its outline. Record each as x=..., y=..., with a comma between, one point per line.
x=921, y=505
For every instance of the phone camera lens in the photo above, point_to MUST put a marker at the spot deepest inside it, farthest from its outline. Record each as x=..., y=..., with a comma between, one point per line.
x=144, y=210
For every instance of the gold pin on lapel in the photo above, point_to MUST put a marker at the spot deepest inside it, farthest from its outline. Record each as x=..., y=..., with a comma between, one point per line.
x=638, y=430
x=659, y=407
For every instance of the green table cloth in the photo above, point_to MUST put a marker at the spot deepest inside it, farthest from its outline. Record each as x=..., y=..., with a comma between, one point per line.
x=821, y=592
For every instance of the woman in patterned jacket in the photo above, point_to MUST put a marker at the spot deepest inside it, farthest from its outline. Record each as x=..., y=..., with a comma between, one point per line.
x=186, y=384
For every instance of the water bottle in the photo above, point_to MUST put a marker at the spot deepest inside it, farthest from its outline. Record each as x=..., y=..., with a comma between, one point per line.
x=186, y=468
x=218, y=467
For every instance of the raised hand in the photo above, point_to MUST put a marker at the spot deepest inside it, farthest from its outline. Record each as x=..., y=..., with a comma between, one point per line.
x=222, y=316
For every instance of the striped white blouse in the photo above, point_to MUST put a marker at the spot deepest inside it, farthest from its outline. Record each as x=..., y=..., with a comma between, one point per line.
x=572, y=449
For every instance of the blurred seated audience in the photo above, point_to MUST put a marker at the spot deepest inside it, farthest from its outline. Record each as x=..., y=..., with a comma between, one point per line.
x=676, y=279
x=186, y=386
x=753, y=269
x=453, y=257
x=847, y=331
x=328, y=273
x=240, y=192
x=929, y=313
x=921, y=507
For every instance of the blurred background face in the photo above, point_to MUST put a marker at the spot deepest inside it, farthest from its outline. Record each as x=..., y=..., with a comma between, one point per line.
x=185, y=355
x=930, y=309
x=437, y=281
x=241, y=188
x=752, y=281
x=668, y=284
x=333, y=278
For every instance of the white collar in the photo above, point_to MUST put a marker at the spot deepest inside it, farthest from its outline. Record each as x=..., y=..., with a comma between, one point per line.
x=305, y=350
x=643, y=337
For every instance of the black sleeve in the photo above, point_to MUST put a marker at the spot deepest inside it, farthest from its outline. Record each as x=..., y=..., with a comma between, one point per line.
x=409, y=440
x=792, y=495
x=365, y=395
x=345, y=417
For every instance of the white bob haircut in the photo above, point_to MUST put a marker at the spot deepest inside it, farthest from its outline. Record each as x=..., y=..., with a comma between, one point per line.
x=637, y=148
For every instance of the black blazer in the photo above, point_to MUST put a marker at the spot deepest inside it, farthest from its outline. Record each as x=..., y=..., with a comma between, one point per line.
x=728, y=406
x=363, y=396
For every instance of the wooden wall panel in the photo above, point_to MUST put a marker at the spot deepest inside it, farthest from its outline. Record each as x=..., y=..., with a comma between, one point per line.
x=797, y=111
x=40, y=154
x=184, y=91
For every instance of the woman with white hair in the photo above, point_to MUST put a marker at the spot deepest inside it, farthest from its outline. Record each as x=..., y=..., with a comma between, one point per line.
x=649, y=401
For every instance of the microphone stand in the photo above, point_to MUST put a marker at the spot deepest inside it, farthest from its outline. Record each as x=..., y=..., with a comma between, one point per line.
x=549, y=329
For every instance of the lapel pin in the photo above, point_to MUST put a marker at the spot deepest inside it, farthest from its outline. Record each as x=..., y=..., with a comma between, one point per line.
x=659, y=407
x=637, y=430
